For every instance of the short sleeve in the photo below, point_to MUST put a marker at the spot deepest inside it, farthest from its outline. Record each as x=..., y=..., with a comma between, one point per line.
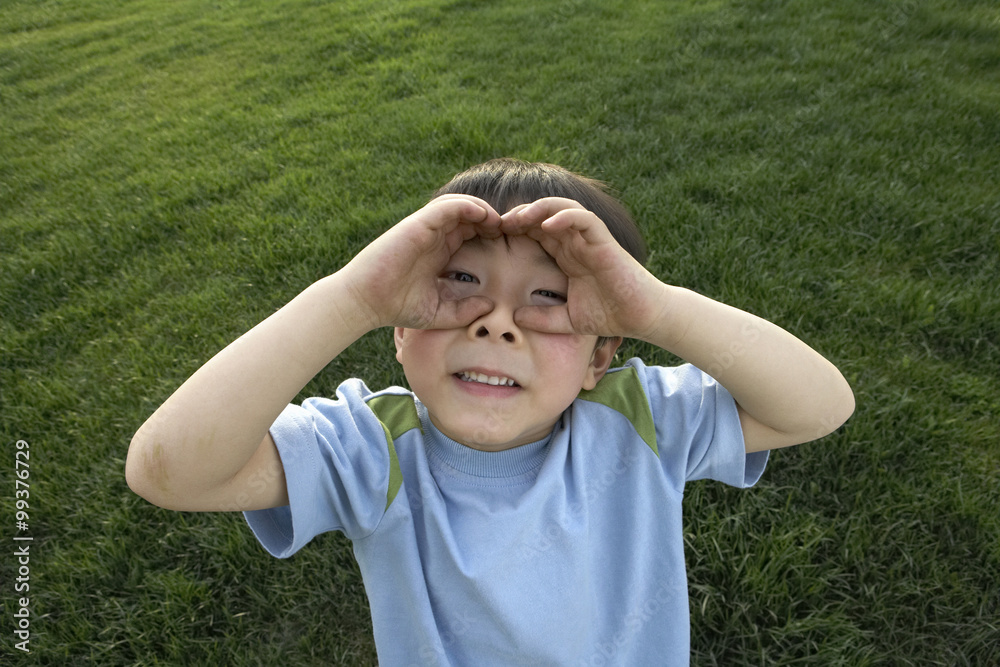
x=337, y=466
x=698, y=427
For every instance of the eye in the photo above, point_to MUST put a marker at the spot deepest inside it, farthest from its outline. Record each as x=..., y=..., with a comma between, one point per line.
x=461, y=277
x=550, y=294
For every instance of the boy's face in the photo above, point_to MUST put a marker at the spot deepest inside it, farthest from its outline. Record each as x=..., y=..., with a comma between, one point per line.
x=493, y=385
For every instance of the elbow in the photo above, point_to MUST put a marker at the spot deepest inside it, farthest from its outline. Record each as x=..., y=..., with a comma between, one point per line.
x=134, y=475
x=841, y=407
x=827, y=413
x=145, y=472
x=849, y=402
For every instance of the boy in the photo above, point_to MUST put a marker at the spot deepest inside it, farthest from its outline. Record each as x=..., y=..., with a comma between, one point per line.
x=522, y=504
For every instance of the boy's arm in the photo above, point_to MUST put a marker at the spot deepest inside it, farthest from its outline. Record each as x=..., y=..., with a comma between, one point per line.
x=208, y=447
x=786, y=393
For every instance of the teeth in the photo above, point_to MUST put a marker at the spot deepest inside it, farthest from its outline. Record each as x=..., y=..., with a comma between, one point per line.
x=486, y=379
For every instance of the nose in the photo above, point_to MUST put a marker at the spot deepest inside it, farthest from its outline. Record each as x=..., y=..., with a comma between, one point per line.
x=497, y=325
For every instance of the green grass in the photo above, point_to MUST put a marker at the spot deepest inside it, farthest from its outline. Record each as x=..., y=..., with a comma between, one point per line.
x=170, y=173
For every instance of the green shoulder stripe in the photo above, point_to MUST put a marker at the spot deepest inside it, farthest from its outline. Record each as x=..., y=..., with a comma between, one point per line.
x=397, y=414
x=622, y=391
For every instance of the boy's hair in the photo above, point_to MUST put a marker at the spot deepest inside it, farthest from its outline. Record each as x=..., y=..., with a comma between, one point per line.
x=504, y=183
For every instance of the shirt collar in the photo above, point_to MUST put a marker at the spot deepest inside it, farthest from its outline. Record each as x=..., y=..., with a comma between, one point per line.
x=464, y=459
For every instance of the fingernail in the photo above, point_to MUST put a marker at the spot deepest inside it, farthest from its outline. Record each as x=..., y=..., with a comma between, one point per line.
x=517, y=210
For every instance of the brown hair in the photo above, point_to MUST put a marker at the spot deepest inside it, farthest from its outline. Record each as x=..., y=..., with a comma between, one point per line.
x=508, y=182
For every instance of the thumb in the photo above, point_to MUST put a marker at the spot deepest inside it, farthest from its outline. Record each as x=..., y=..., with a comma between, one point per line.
x=544, y=319
x=460, y=313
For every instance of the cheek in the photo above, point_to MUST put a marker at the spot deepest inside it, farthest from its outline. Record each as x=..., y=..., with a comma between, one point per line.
x=422, y=354
x=568, y=355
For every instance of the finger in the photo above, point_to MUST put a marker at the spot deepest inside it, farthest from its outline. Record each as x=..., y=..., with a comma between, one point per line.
x=468, y=209
x=554, y=216
x=459, y=218
x=546, y=207
x=544, y=319
x=512, y=213
x=460, y=313
x=582, y=222
x=525, y=216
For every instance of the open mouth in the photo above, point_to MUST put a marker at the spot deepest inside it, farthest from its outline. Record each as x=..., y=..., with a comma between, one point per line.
x=482, y=378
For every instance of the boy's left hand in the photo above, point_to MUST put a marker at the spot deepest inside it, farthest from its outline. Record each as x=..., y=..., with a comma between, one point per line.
x=786, y=393
x=610, y=293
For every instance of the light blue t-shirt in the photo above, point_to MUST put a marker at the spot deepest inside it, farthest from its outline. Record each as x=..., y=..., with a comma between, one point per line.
x=567, y=551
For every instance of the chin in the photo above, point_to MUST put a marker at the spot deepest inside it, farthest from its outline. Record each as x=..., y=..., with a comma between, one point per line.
x=477, y=437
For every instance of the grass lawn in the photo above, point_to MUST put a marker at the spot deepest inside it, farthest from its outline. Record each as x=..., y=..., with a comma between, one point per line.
x=171, y=173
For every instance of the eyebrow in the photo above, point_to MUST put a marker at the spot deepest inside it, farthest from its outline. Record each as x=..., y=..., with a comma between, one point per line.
x=479, y=243
x=545, y=258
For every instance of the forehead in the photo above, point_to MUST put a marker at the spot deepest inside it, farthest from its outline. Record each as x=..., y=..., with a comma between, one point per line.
x=520, y=248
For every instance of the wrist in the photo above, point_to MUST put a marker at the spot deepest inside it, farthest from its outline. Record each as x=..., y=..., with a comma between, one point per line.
x=667, y=325
x=346, y=307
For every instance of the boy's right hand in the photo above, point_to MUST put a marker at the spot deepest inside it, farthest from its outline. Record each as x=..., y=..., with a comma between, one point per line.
x=394, y=280
x=208, y=447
